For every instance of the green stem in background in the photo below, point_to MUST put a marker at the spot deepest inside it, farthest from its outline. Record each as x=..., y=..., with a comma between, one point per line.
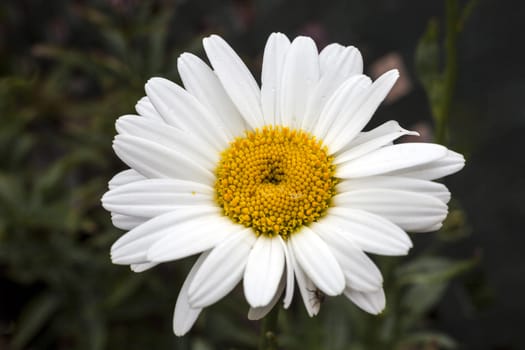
x=268, y=337
x=451, y=70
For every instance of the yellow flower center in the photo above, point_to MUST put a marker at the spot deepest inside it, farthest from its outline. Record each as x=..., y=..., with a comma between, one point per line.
x=275, y=180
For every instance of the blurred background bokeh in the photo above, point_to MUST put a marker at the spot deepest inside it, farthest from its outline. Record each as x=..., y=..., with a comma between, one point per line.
x=68, y=69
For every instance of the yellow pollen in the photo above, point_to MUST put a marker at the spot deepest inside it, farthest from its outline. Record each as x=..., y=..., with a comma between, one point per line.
x=275, y=180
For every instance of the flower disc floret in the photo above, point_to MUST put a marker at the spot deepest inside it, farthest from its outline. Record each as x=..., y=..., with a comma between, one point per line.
x=275, y=180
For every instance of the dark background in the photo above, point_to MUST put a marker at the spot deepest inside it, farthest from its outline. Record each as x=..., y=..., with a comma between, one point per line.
x=68, y=69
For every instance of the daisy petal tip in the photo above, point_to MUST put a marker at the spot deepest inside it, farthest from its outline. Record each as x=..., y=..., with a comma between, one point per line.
x=179, y=332
x=184, y=56
x=184, y=321
x=181, y=64
x=181, y=327
x=388, y=79
x=314, y=312
x=211, y=39
x=304, y=39
x=376, y=310
x=460, y=159
x=256, y=300
x=104, y=198
x=153, y=80
x=184, y=60
x=394, y=73
x=372, y=302
x=138, y=268
x=116, y=260
x=277, y=38
x=252, y=316
x=252, y=300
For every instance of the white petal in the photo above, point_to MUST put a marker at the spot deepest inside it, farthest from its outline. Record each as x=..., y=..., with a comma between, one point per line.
x=289, y=276
x=356, y=113
x=170, y=137
x=256, y=313
x=346, y=63
x=317, y=261
x=182, y=110
x=153, y=197
x=185, y=315
x=132, y=247
x=300, y=76
x=429, y=188
x=222, y=270
x=341, y=100
x=202, y=82
x=272, y=68
x=156, y=161
x=356, y=151
x=145, y=108
x=450, y=164
x=263, y=271
x=391, y=158
x=432, y=228
x=371, y=302
x=126, y=222
x=192, y=238
x=236, y=79
x=360, y=272
x=411, y=211
x=142, y=267
x=306, y=287
x=372, y=233
x=124, y=177
x=329, y=56
x=379, y=131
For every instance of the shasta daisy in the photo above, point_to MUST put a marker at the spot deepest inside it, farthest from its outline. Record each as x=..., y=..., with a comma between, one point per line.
x=272, y=185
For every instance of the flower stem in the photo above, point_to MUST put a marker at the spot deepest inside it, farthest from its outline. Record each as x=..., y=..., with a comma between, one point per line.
x=268, y=337
x=451, y=69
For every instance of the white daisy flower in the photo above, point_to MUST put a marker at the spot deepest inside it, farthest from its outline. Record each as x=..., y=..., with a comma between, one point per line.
x=272, y=185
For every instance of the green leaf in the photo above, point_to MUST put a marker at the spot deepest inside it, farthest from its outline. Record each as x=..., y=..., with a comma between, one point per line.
x=420, y=298
x=34, y=318
x=442, y=341
x=428, y=68
x=124, y=289
x=430, y=269
x=92, y=62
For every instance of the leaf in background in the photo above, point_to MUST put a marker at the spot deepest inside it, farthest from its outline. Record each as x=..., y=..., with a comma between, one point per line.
x=34, y=318
x=428, y=68
x=124, y=289
x=419, y=299
x=433, y=269
x=96, y=63
x=12, y=196
x=157, y=42
x=114, y=38
x=429, y=340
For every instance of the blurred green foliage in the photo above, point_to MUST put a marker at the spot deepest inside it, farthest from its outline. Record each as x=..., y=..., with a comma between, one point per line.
x=59, y=97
